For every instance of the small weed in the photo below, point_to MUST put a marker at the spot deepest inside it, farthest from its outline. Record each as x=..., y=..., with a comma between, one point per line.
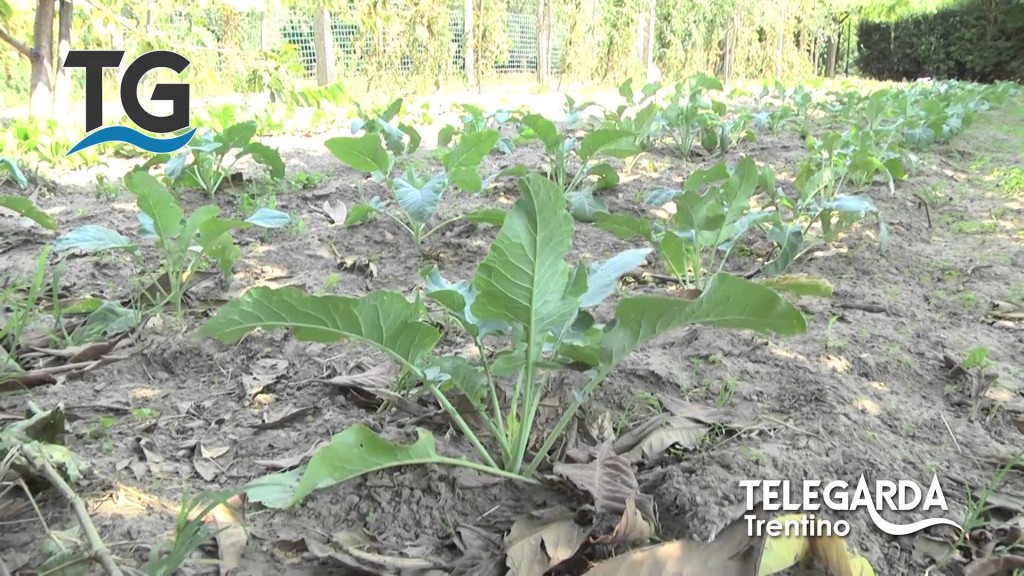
x=331, y=283
x=145, y=414
x=726, y=392
x=105, y=189
x=296, y=227
x=833, y=342
x=975, y=227
x=307, y=180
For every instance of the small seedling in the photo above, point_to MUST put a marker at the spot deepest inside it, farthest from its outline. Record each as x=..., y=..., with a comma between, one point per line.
x=185, y=245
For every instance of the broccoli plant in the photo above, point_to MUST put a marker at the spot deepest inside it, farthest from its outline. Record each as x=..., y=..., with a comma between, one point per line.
x=418, y=195
x=184, y=245
x=399, y=138
x=712, y=212
x=571, y=162
x=526, y=310
x=475, y=120
x=640, y=116
x=208, y=160
x=693, y=116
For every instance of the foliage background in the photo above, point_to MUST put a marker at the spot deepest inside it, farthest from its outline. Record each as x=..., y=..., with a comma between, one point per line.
x=982, y=40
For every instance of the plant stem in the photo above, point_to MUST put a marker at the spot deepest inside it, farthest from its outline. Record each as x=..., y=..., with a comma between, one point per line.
x=443, y=224
x=461, y=423
x=485, y=469
x=567, y=417
x=495, y=403
x=99, y=549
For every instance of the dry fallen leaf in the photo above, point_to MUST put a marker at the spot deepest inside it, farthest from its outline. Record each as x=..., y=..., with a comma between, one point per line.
x=537, y=544
x=291, y=461
x=231, y=536
x=265, y=371
x=783, y=552
x=337, y=212
x=610, y=482
x=213, y=452
x=994, y=566
x=731, y=553
x=632, y=527
x=277, y=415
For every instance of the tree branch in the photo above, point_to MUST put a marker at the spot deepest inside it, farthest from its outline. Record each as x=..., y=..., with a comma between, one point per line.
x=19, y=46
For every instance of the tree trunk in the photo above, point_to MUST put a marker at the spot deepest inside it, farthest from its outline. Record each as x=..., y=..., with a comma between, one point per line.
x=543, y=42
x=468, y=42
x=833, y=50
x=652, y=8
x=780, y=44
x=727, y=48
x=323, y=43
x=41, y=79
x=62, y=85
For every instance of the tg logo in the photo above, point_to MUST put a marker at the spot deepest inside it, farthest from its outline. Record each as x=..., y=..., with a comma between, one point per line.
x=94, y=61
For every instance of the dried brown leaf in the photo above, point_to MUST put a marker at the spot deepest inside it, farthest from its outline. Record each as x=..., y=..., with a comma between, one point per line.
x=231, y=535
x=213, y=452
x=632, y=527
x=610, y=482
x=994, y=566
x=380, y=376
x=732, y=553
x=292, y=461
x=277, y=415
x=537, y=544
x=265, y=372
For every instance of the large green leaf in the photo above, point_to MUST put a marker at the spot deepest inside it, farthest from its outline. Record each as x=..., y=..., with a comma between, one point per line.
x=92, y=238
x=266, y=156
x=9, y=166
x=420, y=203
x=457, y=298
x=523, y=279
x=583, y=205
x=356, y=451
x=609, y=142
x=364, y=153
x=156, y=202
x=383, y=318
x=624, y=226
x=544, y=130
x=268, y=218
x=602, y=277
x=461, y=162
x=235, y=136
x=24, y=207
x=727, y=302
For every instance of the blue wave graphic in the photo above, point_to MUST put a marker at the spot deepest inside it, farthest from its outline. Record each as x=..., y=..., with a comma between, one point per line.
x=135, y=138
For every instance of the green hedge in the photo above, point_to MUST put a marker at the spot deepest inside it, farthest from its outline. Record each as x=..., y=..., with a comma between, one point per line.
x=981, y=41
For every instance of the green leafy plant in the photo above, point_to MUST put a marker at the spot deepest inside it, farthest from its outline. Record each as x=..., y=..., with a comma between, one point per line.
x=24, y=207
x=693, y=116
x=712, y=212
x=209, y=159
x=399, y=138
x=190, y=532
x=184, y=245
x=475, y=120
x=273, y=73
x=9, y=169
x=560, y=149
x=418, y=196
x=640, y=116
x=528, y=306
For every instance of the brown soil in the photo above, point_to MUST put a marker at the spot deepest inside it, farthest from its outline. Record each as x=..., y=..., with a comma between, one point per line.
x=864, y=391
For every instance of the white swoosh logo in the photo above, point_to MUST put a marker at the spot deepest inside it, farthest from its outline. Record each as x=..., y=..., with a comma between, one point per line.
x=907, y=529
